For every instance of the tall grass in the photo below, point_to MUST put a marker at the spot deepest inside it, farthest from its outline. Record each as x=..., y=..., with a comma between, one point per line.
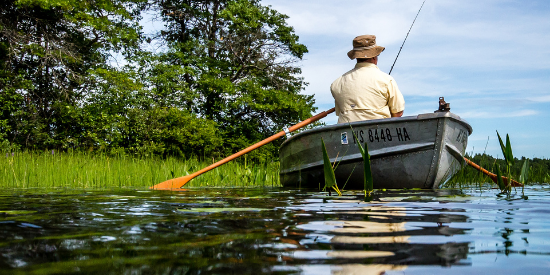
x=95, y=170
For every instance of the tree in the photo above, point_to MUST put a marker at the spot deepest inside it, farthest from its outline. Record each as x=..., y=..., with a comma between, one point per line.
x=48, y=50
x=237, y=66
x=123, y=115
x=228, y=72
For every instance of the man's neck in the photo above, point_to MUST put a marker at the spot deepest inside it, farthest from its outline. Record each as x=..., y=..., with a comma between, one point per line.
x=373, y=60
x=369, y=61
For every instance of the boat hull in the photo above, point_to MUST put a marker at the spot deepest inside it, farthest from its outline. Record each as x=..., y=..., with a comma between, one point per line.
x=421, y=151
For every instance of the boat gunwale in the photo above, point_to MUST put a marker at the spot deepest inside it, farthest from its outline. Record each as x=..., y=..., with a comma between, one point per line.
x=420, y=117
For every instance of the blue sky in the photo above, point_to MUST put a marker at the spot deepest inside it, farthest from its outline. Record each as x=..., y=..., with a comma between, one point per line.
x=490, y=59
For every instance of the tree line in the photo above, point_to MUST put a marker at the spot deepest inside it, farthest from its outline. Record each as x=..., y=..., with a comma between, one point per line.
x=77, y=74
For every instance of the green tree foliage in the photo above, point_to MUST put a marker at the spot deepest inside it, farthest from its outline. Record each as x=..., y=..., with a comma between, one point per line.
x=124, y=115
x=48, y=49
x=235, y=64
x=225, y=78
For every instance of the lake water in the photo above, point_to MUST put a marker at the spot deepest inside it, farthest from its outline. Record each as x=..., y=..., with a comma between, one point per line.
x=278, y=231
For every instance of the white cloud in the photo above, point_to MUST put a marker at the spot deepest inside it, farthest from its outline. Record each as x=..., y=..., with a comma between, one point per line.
x=490, y=58
x=544, y=98
x=348, y=18
x=501, y=114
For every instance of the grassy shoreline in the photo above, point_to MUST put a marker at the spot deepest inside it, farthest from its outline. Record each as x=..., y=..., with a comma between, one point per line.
x=92, y=170
x=83, y=170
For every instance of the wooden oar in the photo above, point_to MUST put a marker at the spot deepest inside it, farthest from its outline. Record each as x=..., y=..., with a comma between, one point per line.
x=181, y=181
x=491, y=175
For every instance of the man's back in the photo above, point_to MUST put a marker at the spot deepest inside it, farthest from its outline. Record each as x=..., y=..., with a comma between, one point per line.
x=365, y=92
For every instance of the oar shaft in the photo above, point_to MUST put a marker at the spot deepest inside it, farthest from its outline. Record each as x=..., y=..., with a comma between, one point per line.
x=263, y=142
x=479, y=168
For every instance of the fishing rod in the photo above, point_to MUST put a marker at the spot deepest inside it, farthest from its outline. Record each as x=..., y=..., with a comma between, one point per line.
x=406, y=37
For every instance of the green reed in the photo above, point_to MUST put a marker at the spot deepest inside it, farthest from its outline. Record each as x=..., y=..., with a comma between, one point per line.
x=328, y=171
x=368, y=182
x=54, y=169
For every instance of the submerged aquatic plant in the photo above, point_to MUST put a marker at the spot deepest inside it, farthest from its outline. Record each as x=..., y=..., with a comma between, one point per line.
x=330, y=177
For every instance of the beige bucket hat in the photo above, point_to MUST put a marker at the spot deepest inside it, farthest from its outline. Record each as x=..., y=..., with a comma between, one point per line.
x=364, y=46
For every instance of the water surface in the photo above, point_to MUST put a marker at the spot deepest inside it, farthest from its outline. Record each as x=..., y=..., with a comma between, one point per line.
x=278, y=231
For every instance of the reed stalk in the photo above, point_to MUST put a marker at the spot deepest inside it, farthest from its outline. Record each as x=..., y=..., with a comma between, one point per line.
x=54, y=169
x=328, y=169
x=367, y=177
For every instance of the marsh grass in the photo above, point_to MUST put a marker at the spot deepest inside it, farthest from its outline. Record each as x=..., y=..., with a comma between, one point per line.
x=53, y=169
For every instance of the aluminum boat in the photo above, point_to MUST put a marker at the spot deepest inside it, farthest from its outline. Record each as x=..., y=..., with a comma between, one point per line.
x=421, y=151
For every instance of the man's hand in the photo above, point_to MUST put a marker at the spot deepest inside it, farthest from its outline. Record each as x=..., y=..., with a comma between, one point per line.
x=400, y=114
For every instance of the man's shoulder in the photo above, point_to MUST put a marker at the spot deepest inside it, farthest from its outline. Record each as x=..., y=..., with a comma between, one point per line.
x=382, y=75
x=388, y=77
x=375, y=72
x=371, y=72
x=335, y=83
x=344, y=75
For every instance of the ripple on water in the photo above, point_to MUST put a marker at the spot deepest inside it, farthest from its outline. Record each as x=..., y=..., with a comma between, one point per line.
x=275, y=231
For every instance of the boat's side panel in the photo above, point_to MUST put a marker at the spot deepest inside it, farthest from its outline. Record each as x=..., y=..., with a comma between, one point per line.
x=399, y=150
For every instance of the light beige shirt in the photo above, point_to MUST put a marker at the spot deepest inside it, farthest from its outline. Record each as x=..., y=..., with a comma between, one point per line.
x=366, y=93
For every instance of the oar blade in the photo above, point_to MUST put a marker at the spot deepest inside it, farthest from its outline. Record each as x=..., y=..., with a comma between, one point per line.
x=172, y=183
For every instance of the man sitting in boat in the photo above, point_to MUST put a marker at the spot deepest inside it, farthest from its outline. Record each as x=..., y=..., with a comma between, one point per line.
x=366, y=92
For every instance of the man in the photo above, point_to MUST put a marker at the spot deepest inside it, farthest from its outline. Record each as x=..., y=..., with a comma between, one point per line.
x=366, y=92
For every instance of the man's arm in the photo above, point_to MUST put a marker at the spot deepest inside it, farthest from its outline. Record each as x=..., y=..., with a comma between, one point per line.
x=400, y=114
x=395, y=101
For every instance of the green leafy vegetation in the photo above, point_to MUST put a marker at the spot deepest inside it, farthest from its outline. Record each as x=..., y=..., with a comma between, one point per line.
x=50, y=50
x=76, y=75
x=509, y=158
x=51, y=169
x=500, y=182
x=524, y=175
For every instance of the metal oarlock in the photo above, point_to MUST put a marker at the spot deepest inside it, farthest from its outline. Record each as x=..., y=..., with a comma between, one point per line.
x=443, y=106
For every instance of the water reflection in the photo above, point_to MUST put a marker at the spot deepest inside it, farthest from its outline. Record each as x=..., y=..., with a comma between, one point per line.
x=272, y=231
x=380, y=232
